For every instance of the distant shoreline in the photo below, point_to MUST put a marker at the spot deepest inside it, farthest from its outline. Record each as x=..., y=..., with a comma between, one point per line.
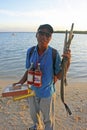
x=76, y=32
x=61, y=31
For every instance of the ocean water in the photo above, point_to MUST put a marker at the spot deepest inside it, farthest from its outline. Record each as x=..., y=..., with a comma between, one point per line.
x=13, y=47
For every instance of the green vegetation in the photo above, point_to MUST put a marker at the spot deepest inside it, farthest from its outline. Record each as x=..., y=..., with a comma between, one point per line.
x=77, y=32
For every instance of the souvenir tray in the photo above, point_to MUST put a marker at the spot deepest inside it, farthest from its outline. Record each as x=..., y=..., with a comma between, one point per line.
x=10, y=91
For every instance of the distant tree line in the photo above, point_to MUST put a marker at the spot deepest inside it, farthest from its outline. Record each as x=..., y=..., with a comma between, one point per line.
x=77, y=32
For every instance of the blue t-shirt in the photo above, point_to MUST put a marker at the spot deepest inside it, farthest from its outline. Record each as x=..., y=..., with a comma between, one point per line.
x=46, y=66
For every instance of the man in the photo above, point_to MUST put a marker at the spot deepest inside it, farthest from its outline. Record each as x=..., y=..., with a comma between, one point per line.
x=43, y=101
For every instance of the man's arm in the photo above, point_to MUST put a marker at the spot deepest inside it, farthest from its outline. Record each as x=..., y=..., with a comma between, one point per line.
x=23, y=79
x=58, y=76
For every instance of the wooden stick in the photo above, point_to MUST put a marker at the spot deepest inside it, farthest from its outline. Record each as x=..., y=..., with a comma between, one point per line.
x=67, y=43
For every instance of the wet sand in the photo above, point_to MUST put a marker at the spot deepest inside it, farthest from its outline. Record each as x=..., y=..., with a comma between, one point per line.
x=15, y=115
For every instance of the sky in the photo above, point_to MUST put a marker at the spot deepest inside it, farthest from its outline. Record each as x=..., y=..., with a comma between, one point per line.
x=27, y=15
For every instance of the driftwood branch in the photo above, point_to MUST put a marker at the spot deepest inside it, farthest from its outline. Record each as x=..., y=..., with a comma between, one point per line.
x=67, y=43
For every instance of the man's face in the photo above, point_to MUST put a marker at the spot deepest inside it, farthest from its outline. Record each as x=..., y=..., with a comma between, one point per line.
x=43, y=38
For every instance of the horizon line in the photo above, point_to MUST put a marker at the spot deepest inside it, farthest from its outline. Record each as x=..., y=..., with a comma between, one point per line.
x=60, y=31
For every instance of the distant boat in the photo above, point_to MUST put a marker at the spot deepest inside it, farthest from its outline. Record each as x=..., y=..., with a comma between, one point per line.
x=13, y=34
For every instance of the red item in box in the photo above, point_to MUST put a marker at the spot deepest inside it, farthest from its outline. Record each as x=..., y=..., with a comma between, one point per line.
x=9, y=91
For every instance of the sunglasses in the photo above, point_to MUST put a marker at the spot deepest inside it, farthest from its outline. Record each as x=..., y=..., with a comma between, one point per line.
x=44, y=33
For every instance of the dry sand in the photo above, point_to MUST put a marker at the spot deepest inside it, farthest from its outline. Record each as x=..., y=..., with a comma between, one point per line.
x=16, y=116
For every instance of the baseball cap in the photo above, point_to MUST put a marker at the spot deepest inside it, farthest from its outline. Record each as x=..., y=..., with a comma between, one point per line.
x=46, y=26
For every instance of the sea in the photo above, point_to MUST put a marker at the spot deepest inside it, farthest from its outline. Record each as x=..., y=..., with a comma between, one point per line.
x=13, y=48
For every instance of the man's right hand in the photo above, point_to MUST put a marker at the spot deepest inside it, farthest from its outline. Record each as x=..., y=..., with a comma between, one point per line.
x=16, y=86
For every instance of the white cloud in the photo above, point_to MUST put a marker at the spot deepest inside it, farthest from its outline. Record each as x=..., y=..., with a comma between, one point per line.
x=27, y=14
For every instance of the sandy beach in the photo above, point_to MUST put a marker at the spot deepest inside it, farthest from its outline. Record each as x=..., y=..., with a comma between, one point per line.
x=14, y=115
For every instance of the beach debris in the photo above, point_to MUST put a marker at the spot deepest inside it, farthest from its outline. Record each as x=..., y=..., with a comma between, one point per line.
x=77, y=118
x=40, y=123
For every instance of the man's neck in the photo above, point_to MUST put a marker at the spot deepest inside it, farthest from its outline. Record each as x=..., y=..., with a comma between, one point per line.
x=41, y=50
